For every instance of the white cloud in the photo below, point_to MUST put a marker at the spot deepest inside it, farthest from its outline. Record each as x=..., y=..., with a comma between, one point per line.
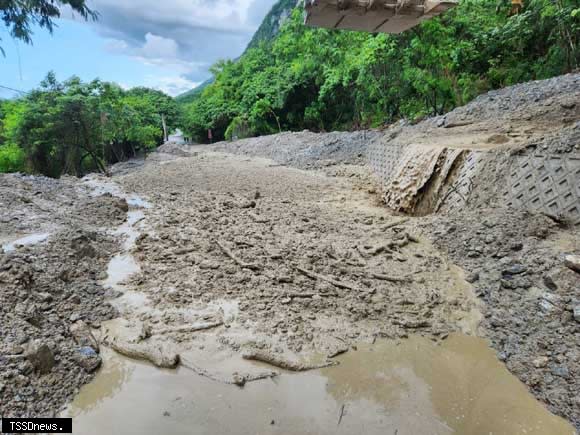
x=158, y=47
x=171, y=85
x=184, y=36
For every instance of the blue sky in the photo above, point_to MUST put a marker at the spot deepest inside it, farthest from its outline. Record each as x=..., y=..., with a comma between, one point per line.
x=167, y=45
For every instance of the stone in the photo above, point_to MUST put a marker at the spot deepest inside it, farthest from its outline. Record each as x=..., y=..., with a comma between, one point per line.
x=550, y=283
x=472, y=277
x=577, y=313
x=561, y=371
x=40, y=356
x=515, y=269
x=83, y=335
x=88, y=359
x=540, y=362
x=572, y=262
x=517, y=246
x=44, y=297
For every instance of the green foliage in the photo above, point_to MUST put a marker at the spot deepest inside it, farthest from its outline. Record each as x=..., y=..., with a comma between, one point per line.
x=74, y=127
x=20, y=15
x=272, y=22
x=11, y=158
x=323, y=79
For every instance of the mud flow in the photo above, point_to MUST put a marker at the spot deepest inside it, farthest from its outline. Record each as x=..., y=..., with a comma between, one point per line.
x=408, y=387
x=407, y=282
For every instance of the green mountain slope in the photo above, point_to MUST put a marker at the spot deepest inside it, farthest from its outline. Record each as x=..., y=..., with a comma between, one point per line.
x=267, y=31
x=324, y=79
x=270, y=27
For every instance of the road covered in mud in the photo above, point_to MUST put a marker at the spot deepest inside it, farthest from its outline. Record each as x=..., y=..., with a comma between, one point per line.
x=263, y=286
x=293, y=292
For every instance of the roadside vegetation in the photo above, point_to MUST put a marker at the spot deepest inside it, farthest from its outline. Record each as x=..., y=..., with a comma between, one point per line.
x=324, y=80
x=289, y=78
x=73, y=127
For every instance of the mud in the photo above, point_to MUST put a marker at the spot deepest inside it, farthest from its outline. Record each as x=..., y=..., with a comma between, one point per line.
x=49, y=283
x=235, y=269
x=413, y=386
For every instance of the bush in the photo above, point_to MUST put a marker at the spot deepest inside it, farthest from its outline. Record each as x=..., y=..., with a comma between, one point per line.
x=12, y=158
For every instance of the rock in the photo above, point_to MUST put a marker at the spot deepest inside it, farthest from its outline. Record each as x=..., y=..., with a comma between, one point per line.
x=561, y=371
x=44, y=297
x=83, y=336
x=568, y=105
x=515, y=269
x=122, y=205
x=572, y=262
x=549, y=282
x=540, y=362
x=88, y=359
x=40, y=356
x=517, y=246
x=546, y=306
x=577, y=313
x=472, y=277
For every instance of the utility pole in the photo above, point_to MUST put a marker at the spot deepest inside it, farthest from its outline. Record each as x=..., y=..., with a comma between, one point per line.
x=165, y=136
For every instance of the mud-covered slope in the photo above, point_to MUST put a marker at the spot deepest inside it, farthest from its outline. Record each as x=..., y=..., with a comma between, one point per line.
x=517, y=147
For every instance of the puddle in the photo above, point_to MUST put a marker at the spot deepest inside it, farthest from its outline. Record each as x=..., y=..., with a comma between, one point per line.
x=413, y=388
x=123, y=265
x=100, y=187
x=32, y=239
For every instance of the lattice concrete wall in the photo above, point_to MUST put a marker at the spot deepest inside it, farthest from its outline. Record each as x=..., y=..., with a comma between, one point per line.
x=383, y=159
x=548, y=183
x=543, y=183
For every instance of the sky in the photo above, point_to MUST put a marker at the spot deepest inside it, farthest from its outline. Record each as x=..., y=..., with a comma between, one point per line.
x=167, y=45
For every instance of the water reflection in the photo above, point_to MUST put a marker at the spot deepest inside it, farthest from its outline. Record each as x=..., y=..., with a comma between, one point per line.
x=412, y=388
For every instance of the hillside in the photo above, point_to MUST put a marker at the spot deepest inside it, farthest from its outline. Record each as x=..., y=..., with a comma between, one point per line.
x=267, y=31
x=272, y=23
x=327, y=80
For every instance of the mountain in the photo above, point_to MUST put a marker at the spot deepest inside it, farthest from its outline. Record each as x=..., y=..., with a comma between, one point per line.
x=271, y=24
x=267, y=31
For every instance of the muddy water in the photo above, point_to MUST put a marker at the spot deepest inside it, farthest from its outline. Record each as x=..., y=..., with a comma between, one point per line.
x=29, y=240
x=412, y=388
x=123, y=265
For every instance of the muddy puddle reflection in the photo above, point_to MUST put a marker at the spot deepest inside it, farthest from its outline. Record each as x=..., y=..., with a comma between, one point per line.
x=32, y=239
x=412, y=388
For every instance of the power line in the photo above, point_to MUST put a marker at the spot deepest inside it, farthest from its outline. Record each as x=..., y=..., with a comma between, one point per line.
x=14, y=90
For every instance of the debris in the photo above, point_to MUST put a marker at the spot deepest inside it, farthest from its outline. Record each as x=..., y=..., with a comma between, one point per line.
x=283, y=362
x=341, y=414
x=572, y=262
x=188, y=328
x=40, y=356
x=314, y=275
x=389, y=278
x=232, y=256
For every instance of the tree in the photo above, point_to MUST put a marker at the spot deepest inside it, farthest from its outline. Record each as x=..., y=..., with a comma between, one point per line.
x=20, y=15
x=326, y=79
x=73, y=127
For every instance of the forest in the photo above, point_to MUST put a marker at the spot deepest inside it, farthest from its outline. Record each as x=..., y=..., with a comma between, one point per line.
x=326, y=80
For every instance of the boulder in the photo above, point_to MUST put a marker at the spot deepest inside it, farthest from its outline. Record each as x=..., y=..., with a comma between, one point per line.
x=572, y=262
x=83, y=335
x=40, y=356
x=88, y=359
